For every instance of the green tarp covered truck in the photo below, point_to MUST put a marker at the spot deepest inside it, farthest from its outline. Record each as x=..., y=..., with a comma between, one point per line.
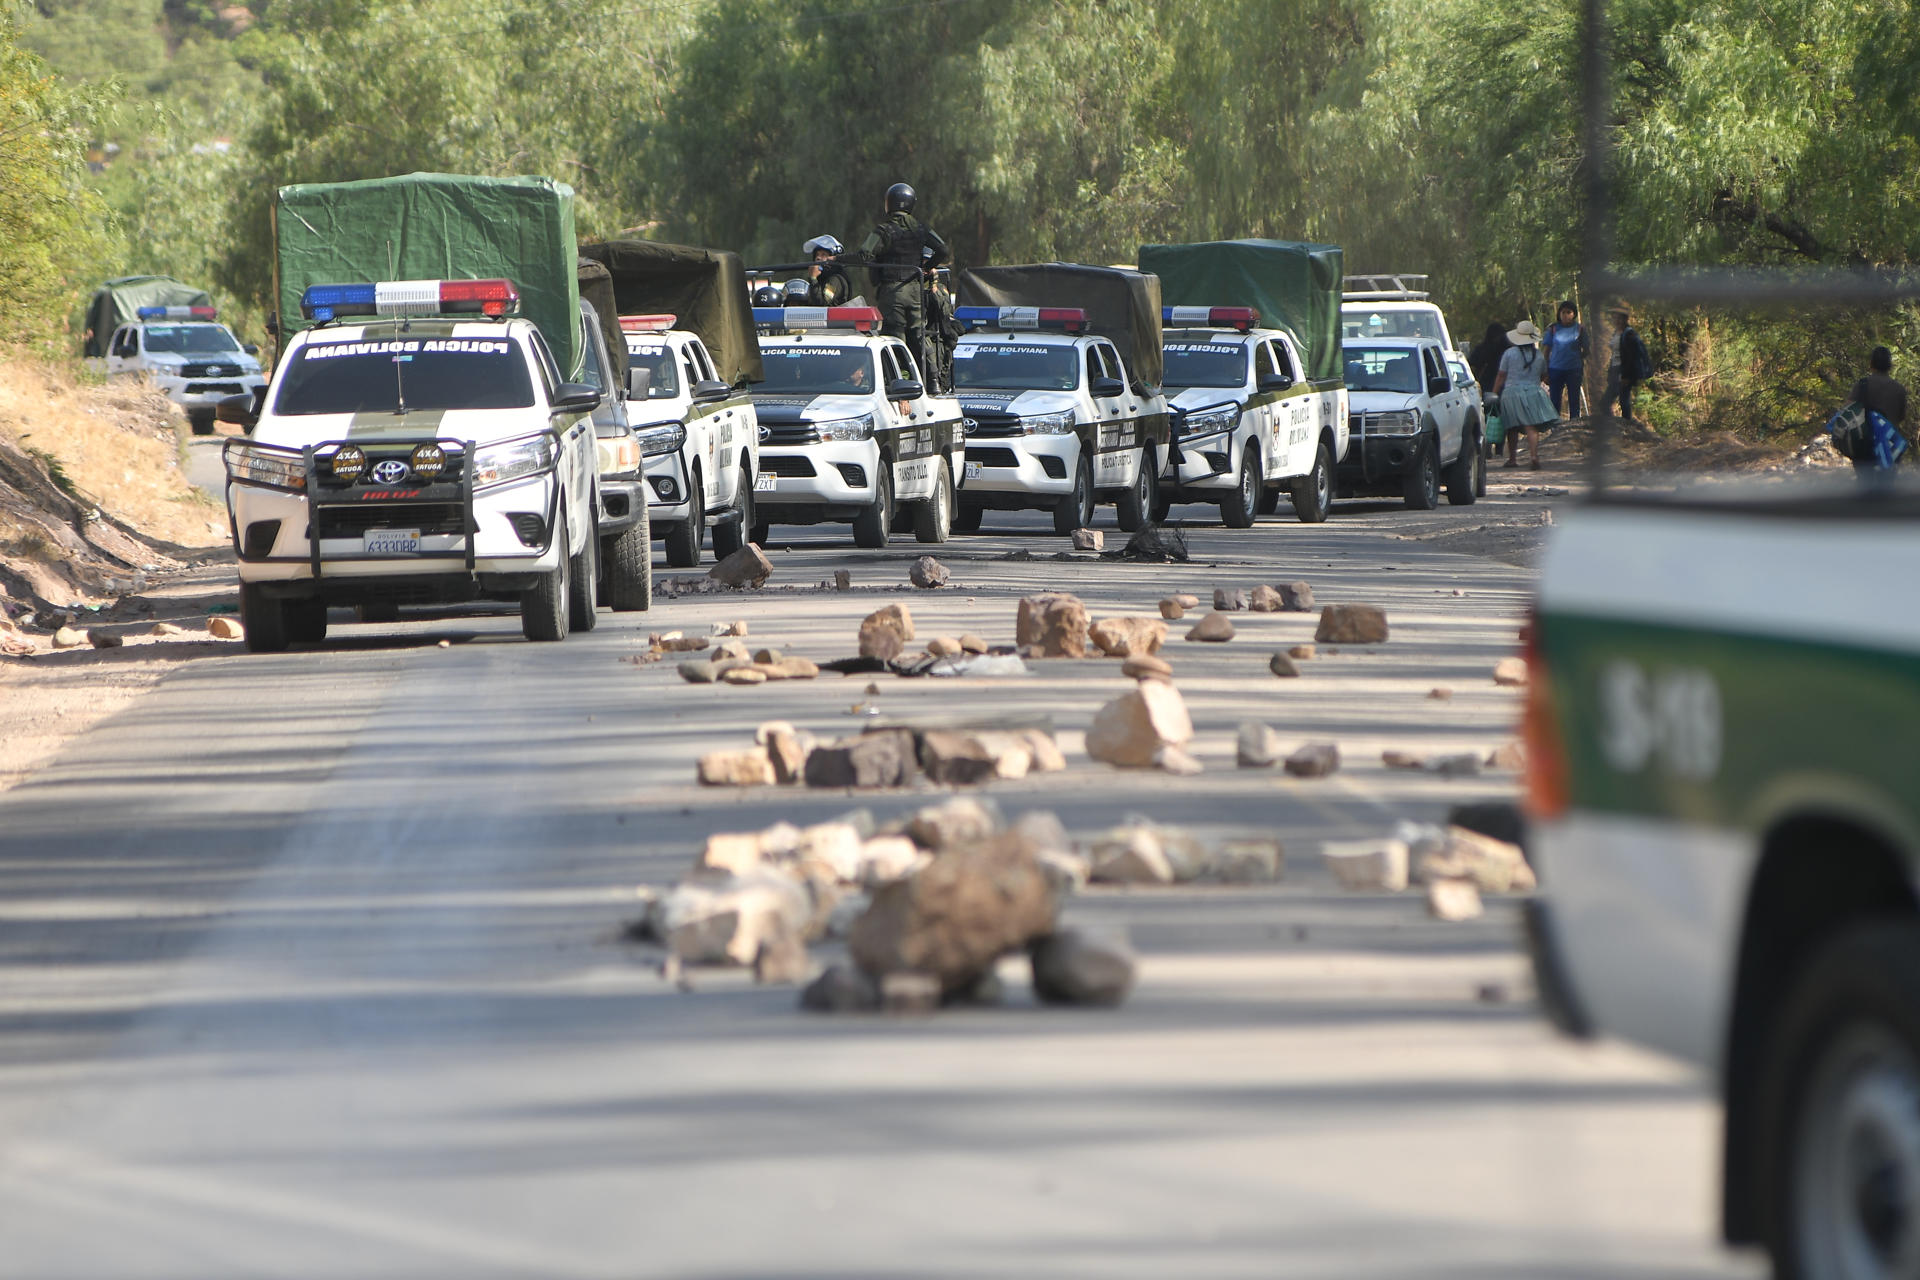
x=118, y=302
x=434, y=226
x=1295, y=287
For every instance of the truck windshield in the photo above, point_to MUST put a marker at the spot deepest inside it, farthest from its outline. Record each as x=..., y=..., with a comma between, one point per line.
x=431, y=373
x=1205, y=364
x=1391, y=324
x=189, y=340
x=1383, y=369
x=817, y=370
x=662, y=379
x=1007, y=366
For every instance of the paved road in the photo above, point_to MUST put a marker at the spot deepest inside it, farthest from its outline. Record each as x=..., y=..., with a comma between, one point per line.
x=309, y=968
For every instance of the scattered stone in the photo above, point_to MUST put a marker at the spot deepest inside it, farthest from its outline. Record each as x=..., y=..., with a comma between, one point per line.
x=738, y=627
x=698, y=671
x=447, y=644
x=1081, y=966
x=733, y=852
x=1012, y=752
x=909, y=992
x=1351, y=624
x=841, y=988
x=732, y=651
x=1089, y=540
x=845, y=912
x=724, y=919
x=831, y=851
x=743, y=675
x=1185, y=601
x=958, y=915
x=1156, y=543
x=944, y=647
x=1067, y=871
x=224, y=629
x=1172, y=610
x=101, y=640
x=928, y=573
x=1281, y=665
x=986, y=992
x=747, y=567
x=961, y=820
x=878, y=640
x=881, y=759
x=1511, y=672
x=1176, y=761
x=1465, y=764
x=1247, y=860
x=1130, y=854
x=677, y=643
x=1453, y=900
x=786, y=750
x=1056, y=622
x=1494, y=866
x=168, y=629
x=781, y=960
x=1127, y=637
x=1403, y=759
x=1508, y=755
x=1131, y=729
x=971, y=643
x=1315, y=760
x=1440, y=694
x=842, y=580
x=1265, y=599
x=1303, y=652
x=1502, y=820
x=1147, y=667
x=791, y=668
x=954, y=758
x=884, y=859
x=69, y=638
x=1047, y=757
x=1296, y=597
x=1214, y=627
x=1258, y=747
x=895, y=616
x=1229, y=600
x=1367, y=864
x=736, y=769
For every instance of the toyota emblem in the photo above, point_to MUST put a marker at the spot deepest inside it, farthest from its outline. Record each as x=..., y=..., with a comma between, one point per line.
x=969, y=425
x=390, y=471
x=765, y=432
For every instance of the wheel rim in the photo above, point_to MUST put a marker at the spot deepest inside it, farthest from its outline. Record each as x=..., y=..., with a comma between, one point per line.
x=1249, y=482
x=1430, y=475
x=1322, y=479
x=1083, y=490
x=943, y=501
x=1857, y=1184
x=1145, y=483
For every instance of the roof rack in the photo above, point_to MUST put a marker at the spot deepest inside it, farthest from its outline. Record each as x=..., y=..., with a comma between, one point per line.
x=1397, y=286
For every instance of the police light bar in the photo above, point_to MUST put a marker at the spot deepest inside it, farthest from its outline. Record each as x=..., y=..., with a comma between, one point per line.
x=410, y=298
x=177, y=313
x=864, y=319
x=1241, y=318
x=647, y=324
x=1065, y=319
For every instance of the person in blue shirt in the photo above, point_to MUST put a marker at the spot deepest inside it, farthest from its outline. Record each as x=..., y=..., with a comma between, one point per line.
x=1566, y=343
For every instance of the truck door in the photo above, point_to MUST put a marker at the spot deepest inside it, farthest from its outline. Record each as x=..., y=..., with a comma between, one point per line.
x=125, y=349
x=725, y=425
x=911, y=438
x=1448, y=411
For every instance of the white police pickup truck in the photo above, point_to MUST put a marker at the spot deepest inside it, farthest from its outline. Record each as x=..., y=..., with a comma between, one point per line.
x=1053, y=420
x=848, y=432
x=1247, y=422
x=700, y=439
x=196, y=361
x=1411, y=425
x=1394, y=305
x=429, y=453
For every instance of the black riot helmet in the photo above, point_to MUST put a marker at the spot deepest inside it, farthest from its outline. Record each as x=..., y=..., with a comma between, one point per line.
x=900, y=198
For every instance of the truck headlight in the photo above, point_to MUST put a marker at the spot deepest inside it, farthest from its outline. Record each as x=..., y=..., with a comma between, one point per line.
x=1399, y=422
x=860, y=428
x=1049, y=424
x=497, y=464
x=619, y=455
x=1210, y=422
x=252, y=464
x=655, y=441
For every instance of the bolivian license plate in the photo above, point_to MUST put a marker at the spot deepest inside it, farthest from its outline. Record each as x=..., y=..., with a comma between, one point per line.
x=973, y=471
x=765, y=480
x=391, y=542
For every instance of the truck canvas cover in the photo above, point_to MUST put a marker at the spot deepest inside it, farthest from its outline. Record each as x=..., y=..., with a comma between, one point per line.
x=1123, y=306
x=118, y=301
x=1295, y=287
x=434, y=226
x=705, y=288
x=596, y=287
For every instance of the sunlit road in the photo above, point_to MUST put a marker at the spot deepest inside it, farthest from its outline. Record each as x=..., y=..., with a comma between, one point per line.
x=309, y=967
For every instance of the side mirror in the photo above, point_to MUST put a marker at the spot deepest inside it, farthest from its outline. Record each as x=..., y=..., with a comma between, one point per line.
x=905, y=389
x=237, y=410
x=708, y=390
x=1107, y=388
x=1439, y=386
x=576, y=397
x=1274, y=382
x=251, y=348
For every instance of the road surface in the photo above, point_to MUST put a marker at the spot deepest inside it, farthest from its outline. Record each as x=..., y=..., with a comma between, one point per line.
x=310, y=967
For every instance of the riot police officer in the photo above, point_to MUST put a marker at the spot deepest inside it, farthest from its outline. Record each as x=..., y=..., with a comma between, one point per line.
x=829, y=286
x=896, y=254
x=943, y=331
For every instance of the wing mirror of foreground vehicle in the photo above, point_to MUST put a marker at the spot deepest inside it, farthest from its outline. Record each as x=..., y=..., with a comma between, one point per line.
x=1275, y=382
x=576, y=397
x=905, y=389
x=1439, y=386
x=237, y=410
x=708, y=390
x=1107, y=388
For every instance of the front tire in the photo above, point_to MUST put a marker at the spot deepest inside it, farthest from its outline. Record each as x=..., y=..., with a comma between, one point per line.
x=933, y=519
x=874, y=524
x=685, y=537
x=1467, y=477
x=1313, y=492
x=628, y=561
x=583, y=576
x=1075, y=510
x=306, y=620
x=543, y=608
x=1137, y=504
x=200, y=423
x=1423, y=481
x=263, y=620
x=1239, y=507
x=1841, y=1106
x=966, y=518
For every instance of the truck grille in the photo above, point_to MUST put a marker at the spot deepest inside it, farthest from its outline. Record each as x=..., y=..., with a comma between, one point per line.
x=786, y=466
x=210, y=369
x=787, y=432
x=225, y=388
x=992, y=457
x=993, y=425
x=427, y=517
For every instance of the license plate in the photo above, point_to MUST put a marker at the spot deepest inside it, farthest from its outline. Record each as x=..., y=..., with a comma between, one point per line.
x=391, y=542
x=973, y=471
x=765, y=481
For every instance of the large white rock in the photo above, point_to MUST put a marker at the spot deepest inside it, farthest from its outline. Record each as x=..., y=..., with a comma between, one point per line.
x=1130, y=730
x=1367, y=864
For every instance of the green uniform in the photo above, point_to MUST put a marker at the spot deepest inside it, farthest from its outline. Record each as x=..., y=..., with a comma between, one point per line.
x=831, y=288
x=894, y=250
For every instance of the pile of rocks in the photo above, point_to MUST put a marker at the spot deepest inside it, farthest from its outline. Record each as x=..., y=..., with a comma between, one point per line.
x=883, y=757
x=1454, y=864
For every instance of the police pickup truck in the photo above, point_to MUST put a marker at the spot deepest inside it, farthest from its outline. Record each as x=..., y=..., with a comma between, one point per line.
x=1248, y=422
x=1412, y=425
x=1053, y=420
x=196, y=361
x=700, y=439
x=1395, y=305
x=1723, y=725
x=848, y=432
x=429, y=453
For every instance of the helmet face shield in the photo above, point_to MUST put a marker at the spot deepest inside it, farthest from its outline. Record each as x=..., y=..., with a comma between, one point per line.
x=822, y=244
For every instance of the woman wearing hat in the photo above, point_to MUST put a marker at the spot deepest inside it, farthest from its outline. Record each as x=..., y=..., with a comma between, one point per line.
x=1521, y=387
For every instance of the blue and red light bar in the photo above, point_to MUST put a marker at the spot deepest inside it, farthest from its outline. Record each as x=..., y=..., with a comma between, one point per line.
x=863, y=319
x=177, y=313
x=1241, y=318
x=648, y=324
x=410, y=298
x=1064, y=319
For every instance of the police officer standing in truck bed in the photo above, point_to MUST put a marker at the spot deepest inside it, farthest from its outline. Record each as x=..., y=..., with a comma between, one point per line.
x=894, y=252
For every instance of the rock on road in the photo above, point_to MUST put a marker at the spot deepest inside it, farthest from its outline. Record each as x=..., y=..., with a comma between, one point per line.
x=309, y=967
